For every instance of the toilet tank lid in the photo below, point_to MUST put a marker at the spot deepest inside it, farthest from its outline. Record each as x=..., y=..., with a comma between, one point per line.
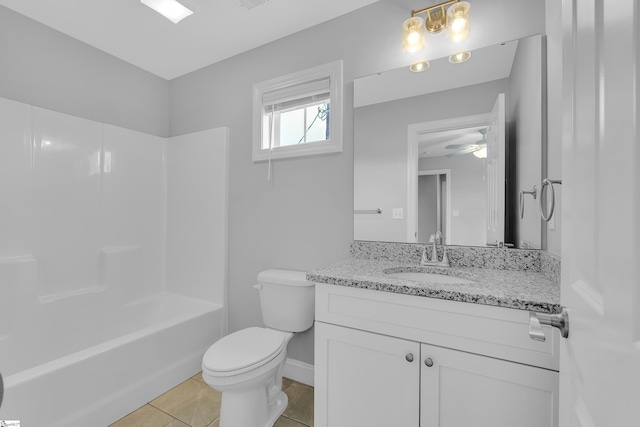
x=284, y=277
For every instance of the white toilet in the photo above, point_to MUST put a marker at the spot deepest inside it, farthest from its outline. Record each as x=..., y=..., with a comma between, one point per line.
x=246, y=366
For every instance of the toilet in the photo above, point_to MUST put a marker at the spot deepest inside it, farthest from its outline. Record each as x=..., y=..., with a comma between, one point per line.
x=246, y=366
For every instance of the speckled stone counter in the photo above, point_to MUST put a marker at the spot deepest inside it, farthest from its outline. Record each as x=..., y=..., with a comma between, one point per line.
x=523, y=290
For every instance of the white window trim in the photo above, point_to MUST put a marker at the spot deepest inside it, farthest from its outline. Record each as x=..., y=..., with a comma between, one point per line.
x=331, y=70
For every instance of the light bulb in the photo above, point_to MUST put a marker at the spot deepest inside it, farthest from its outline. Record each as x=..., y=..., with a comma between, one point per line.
x=458, y=24
x=460, y=57
x=481, y=153
x=458, y=21
x=413, y=37
x=417, y=67
x=413, y=34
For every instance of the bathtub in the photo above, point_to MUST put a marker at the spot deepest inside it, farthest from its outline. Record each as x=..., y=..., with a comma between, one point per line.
x=93, y=372
x=113, y=258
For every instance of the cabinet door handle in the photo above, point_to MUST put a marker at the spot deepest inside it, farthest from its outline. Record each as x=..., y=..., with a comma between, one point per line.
x=409, y=357
x=428, y=361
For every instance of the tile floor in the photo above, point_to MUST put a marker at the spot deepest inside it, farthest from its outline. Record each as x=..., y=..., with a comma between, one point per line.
x=194, y=404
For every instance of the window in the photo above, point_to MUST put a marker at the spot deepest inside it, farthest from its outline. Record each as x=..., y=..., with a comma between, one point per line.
x=299, y=114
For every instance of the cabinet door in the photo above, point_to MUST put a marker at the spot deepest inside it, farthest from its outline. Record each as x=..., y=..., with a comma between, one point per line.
x=365, y=379
x=464, y=389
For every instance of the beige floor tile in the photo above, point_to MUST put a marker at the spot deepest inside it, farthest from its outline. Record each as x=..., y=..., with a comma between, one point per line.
x=198, y=377
x=176, y=423
x=300, y=406
x=192, y=402
x=286, y=382
x=287, y=422
x=146, y=416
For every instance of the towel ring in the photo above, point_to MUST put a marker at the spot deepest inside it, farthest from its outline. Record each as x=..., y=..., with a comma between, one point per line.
x=533, y=192
x=548, y=182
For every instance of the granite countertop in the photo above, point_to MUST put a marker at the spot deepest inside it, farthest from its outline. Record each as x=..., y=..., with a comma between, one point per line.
x=522, y=290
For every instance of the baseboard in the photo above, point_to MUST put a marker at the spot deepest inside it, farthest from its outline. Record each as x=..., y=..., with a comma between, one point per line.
x=299, y=371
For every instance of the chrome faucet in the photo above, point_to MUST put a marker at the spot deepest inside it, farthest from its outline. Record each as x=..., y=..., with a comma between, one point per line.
x=434, y=253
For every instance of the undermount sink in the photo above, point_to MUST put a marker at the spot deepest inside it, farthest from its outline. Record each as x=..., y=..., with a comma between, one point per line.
x=421, y=276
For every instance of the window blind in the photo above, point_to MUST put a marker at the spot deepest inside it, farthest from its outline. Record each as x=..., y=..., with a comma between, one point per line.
x=297, y=95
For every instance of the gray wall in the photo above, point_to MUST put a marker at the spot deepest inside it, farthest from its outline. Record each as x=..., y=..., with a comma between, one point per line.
x=553, y=153
x=43, y=67
x=468, y=196
x=427, y=207
x=303, y=218
x=525, y=136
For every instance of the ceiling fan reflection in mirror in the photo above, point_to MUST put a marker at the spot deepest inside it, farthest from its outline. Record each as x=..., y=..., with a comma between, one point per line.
x=478, y=148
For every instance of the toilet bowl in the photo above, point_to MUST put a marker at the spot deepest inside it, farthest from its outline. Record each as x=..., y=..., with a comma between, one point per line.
x=247, y=365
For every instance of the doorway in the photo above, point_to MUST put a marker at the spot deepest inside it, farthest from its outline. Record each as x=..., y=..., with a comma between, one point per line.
x=434, y=202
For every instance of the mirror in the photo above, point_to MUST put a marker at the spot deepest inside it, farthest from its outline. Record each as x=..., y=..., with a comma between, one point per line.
x=419, y=160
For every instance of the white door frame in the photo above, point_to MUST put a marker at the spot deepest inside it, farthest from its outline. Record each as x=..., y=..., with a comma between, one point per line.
x=413, y=132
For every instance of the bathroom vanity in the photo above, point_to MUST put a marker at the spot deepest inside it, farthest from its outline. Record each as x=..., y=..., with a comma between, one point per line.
x=392, y=351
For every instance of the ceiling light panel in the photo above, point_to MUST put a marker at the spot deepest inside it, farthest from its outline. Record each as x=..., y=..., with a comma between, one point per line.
x=173, y=10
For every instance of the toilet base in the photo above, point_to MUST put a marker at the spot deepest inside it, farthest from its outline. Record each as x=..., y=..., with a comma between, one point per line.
x=249, y=408
x=252, y=398
x=277, y=408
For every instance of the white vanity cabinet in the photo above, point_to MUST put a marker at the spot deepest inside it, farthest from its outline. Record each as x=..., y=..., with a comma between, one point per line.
x=387, y=359
x=368, y=379
x=466, y=389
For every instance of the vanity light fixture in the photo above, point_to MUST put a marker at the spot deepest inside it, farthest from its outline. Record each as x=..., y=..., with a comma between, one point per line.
x=438, y=17
x=418, y=67
x=460, y=57
x=173, y=10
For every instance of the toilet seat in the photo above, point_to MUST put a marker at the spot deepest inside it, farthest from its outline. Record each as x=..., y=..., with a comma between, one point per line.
x=243, y=351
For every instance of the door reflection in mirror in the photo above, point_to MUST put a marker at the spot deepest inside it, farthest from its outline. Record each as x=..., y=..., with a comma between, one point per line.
x=434, y=197
x=387, y=103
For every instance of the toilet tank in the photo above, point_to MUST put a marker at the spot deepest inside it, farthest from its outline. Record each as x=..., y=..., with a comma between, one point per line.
x=287, y=300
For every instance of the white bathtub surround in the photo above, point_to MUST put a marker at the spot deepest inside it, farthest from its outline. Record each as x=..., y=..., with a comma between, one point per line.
x=96, y=319
x=197, y=200
x=154, y=345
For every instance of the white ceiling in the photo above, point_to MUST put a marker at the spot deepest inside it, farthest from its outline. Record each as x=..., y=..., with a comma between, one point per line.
x=218, y=29
x=434, y=144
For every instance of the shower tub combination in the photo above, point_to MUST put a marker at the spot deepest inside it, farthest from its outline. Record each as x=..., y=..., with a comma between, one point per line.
x=100, y=369
x=112, y=264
